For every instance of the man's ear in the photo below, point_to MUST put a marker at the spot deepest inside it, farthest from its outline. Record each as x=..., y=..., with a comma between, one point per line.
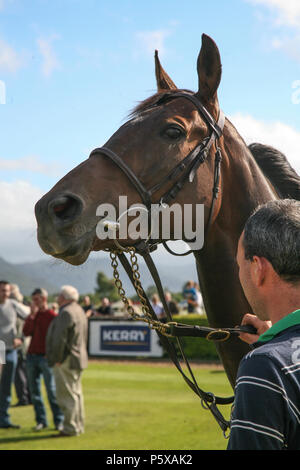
x=258, y=269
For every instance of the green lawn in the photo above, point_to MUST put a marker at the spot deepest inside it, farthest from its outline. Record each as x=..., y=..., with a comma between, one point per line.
x=132, y=406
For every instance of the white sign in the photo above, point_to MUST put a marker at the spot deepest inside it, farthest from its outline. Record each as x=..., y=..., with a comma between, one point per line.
x=123, y=338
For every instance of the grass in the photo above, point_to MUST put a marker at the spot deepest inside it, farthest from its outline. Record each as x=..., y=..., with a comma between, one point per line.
x=132, y=406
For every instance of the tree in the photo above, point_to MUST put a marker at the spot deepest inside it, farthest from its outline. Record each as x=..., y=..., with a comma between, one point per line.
x=106, y=287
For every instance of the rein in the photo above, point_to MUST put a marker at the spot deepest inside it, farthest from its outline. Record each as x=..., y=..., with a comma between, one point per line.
x=170, y=331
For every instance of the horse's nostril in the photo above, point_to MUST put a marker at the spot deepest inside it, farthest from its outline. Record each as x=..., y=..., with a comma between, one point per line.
x=61, y=209
x=65, y=208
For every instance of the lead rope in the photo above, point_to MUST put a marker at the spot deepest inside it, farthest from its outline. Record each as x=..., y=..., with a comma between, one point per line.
x=154, y=324
x=208, y=400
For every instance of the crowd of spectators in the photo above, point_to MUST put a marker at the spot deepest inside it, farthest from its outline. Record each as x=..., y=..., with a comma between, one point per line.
x=48, y=340
x=43, y=341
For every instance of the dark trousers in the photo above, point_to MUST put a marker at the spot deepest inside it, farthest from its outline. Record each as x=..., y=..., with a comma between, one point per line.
x=6, y=381
x=21, y=381
x=37, y=367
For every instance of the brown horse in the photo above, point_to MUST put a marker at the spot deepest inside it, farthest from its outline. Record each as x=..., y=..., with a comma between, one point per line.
x=158, y=136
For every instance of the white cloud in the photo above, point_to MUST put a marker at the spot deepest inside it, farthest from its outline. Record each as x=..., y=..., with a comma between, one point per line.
x=285, y=21
x=10, y=61
x=290, y=44
x=50, y=61
x=286, y=12
x=30, y=163
x=277, y=134
x=17, y=205
x=18, y=240
x=148, y=41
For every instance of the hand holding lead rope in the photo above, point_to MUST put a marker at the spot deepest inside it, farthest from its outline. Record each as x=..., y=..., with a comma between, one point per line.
x=166, y=330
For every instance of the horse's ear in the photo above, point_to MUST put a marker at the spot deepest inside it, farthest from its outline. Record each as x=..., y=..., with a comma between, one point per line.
x=209, y=69
x=163, y=80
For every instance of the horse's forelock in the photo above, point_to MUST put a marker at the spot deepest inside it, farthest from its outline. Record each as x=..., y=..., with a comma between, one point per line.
x=153, y=100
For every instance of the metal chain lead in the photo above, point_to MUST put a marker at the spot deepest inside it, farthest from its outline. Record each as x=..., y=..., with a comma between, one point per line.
x=155, y=324
x=147, y=318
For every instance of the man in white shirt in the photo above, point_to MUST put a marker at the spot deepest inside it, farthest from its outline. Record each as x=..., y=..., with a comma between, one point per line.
x=158, y=308
x=9, y=311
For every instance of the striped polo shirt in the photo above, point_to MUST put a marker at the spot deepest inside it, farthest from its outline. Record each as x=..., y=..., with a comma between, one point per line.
x=266, y=410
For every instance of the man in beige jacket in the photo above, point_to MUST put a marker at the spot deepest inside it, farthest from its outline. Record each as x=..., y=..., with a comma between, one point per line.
x=66, y=351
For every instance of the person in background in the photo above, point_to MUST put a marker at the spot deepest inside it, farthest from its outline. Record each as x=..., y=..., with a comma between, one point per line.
x=36, y=326
x=105, y=308
x=190, y=294
x=173, y=307
x=87, y=306
x=21, y=379
x=199, y=302
x=54, y=306
x=158, y=308
x=10, y=310
x=266, y=412
x=66, y=350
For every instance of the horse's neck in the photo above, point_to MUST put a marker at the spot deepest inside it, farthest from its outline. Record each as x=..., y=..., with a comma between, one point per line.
x=218, y=277
x=223, y=299
x=243, y=188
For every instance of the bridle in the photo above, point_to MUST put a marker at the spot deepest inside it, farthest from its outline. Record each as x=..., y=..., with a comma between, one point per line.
x=184, y=171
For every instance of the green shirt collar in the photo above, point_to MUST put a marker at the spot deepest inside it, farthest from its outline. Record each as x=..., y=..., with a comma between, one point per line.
x=290, y=320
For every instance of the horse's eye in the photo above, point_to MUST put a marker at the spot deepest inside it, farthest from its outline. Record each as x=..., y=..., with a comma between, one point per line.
x=173, y=133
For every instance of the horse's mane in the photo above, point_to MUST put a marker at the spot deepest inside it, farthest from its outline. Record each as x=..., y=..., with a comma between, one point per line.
x=277, y=169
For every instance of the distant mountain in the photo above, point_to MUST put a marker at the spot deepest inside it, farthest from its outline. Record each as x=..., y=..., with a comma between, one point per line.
x=27, y=282
x=52, y=274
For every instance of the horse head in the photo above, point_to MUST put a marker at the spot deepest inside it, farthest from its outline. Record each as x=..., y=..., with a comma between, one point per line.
x=160, y=134
x=170, y=149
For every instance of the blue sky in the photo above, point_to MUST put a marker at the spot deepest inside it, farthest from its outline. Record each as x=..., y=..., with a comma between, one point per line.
x=73, y=69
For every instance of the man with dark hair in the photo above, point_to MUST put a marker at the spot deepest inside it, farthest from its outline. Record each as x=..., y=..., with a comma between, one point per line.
x=36, y=326
x=10, y=309
x=266, y=412
x=105, y=307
